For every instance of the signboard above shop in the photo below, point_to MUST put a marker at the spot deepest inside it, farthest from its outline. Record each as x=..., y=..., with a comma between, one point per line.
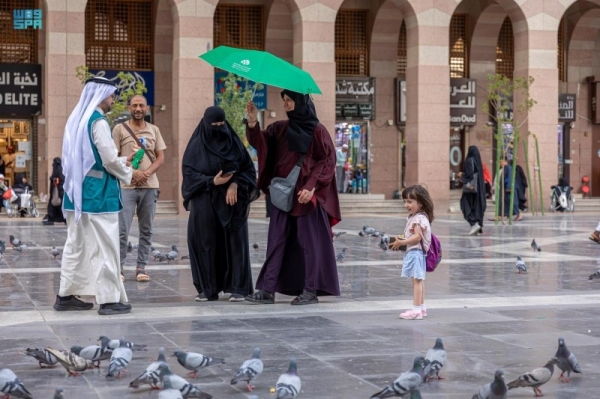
x=20, y=89
x=355, y=98
x=463, y=102
x=145, y=77
x=566, y=107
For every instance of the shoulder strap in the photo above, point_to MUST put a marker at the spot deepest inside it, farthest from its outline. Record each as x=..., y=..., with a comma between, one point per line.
x=300, y=160
x=150, y=156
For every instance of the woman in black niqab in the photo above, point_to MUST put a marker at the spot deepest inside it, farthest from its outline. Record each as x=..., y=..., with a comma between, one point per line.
x=473, y=204
x=218, y=232
x=57, y=179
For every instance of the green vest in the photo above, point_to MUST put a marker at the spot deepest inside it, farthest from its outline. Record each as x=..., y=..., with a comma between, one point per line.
x=101, y=191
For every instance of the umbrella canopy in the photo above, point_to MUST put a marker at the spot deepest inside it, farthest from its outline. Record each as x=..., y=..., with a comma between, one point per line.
x=262, y=67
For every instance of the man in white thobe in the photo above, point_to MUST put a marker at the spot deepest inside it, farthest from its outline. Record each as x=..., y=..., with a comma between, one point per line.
x=92, y=201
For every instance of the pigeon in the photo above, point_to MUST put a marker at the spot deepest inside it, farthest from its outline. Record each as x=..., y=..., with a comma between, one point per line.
x=119, y=360
x=173, y=254
x=384, y=243
x=591, y=277
x=435, y=359
x=150, y=375
x=255, y=246
x=249, y=370
x=95, y=353
x=168, y=392
x=14, y=241
x=42, y=356
x=340, y=257
x=161, y=257
x=496, y=389
x=154, y=252
x=289, y=384
x=129, y=247
x=535, y=246
x=566, y=361
x=186, y=389
x=58, y=393
x=184, y=257
x=54, y=252
x=536, y=378
x=115, y=343
x=195, y=361
x=2, y=248
x=376, y=234
x=407, y=382
x=338, y=234
x=521, y=268
x=20, y=248
x=368, y=230
x=11, y=385
x=73, y=363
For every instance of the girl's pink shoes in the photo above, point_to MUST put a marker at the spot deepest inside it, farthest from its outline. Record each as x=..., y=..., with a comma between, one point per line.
x=410, y=315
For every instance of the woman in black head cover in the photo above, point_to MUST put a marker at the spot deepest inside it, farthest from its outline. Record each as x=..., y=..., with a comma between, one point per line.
x=57, y=179
x=473, y=203
x=219, y=183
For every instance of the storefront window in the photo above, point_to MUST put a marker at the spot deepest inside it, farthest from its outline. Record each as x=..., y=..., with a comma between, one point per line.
x=16, y=149
x=355, y=136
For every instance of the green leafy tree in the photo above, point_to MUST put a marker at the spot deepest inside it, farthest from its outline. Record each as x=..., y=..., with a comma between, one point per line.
x=236, y=92
x=501, y=93
x=127, y=87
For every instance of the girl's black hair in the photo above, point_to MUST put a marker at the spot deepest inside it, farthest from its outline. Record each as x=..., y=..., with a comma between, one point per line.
x=421, y=195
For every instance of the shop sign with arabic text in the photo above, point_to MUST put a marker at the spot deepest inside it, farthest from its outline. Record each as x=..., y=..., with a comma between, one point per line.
x=20, y=89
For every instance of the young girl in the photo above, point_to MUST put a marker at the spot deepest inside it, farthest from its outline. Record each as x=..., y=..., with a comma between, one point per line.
x=419, y=205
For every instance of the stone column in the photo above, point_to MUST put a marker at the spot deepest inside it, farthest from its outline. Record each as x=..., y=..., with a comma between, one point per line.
x=65, y=50
x=193, y=78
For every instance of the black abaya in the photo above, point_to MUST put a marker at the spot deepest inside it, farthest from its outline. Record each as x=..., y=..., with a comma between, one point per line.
x=57, y=178
x=473, y=204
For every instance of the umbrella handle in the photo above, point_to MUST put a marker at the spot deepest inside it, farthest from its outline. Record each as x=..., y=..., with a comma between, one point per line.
x=245, y=119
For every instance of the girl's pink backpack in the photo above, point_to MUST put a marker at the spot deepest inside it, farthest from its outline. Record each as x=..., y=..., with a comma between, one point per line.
x=434, y=255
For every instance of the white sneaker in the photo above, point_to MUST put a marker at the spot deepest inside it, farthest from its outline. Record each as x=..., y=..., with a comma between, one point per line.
x=474, y=230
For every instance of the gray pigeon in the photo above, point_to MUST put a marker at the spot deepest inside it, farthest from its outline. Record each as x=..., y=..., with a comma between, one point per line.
x=368, y=230
x=535, y=246
x=385, y=242
x=119, y=360
x=168, y=392
x=195, y=361
x=115, y=343
x=154, y=252
x=338, y=234
x=407, y=382
x=150, y=375
x=11, y=385
x=289, y=384
x=173, y=254
x=54, y=252
x=42, y=356
x=187, y=390
x=591, y=277
x=129, y=247
x=435, y=359
x=20, y=248
x=566, y=361
x=73, y=363
x=340, y=257
x=536, y=378
x=2, y=248
x=95, y=353
x=249, y=370
x=58, y=393
x=521, y=268
x=377, y=233
x=14, y=241
x=496, y=389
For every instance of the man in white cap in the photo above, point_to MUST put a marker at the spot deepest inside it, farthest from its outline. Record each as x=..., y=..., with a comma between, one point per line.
x=341, y=156
x=91, y=204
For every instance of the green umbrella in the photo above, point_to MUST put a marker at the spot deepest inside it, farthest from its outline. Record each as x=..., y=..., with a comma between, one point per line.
x=262, y=67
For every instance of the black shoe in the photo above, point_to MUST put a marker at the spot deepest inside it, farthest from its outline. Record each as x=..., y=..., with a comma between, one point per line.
x=47, y=223
x=114, y=308
x=71, y=303
x=306, y=298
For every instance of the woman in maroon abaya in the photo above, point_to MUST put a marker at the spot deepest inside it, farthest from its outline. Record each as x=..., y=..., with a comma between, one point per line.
x=300, y=258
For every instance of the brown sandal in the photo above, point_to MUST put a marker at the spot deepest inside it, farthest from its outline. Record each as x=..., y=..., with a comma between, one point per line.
x=141, y=276
x=595, y=238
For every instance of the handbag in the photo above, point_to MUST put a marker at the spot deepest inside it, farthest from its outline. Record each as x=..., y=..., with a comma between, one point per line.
x=55, y=201
x=7, y=194
x=151, y=157
x=471, y=186
x=282, y=189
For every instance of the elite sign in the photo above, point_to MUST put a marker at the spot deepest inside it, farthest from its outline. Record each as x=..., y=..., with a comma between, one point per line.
x=20, y=89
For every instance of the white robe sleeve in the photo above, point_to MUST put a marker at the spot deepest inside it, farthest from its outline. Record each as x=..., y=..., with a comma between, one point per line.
x=111, y=161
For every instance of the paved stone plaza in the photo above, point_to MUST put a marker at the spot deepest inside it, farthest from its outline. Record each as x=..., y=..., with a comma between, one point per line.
x=489, y=316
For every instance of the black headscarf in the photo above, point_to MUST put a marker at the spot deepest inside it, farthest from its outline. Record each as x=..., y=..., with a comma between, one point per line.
x=303, y=120
x=211, y=149
x=57, y=170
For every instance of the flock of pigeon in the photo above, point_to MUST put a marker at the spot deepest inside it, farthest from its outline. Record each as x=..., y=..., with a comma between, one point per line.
x=157, y=375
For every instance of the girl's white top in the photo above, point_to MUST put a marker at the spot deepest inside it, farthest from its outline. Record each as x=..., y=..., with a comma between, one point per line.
x=422, y=220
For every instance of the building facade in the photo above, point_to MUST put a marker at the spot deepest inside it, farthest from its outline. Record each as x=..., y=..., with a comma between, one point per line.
x=398, y=77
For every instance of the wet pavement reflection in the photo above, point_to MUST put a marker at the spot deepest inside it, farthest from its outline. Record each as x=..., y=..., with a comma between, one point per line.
x=488, y=316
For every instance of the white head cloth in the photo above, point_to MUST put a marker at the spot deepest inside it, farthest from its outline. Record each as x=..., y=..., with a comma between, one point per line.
x=78, y=157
